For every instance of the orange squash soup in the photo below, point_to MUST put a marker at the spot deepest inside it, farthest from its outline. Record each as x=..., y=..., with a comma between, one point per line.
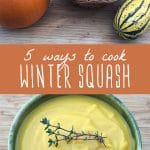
x=86, y=114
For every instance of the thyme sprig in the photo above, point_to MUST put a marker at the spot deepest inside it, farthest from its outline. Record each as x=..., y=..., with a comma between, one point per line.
x=60, y=134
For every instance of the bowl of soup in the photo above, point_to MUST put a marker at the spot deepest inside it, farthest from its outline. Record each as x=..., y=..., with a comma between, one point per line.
x=105, y=114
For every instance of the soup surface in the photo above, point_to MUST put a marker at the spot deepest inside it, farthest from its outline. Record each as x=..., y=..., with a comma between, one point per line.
x=86, y=114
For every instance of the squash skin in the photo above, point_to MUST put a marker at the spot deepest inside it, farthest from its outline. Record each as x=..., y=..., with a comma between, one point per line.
x=21, y=13
x=92, y=3
x=132, y=19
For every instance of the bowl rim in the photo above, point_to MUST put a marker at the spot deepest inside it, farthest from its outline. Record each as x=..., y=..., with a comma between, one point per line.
x=38, y=97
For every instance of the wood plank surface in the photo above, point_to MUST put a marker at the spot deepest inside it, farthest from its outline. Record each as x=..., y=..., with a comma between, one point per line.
x=67, y=23
x=139, y=105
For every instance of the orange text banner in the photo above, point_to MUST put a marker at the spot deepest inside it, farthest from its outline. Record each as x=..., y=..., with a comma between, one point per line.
x=75, y=69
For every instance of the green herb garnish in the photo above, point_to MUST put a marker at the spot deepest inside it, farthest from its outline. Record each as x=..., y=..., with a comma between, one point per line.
x=60, y=134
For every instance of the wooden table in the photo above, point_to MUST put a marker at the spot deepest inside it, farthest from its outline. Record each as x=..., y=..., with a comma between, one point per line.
x=139, y=105
x=66, y=23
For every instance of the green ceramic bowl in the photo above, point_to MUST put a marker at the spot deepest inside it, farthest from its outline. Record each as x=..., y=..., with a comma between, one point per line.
x=110, y=99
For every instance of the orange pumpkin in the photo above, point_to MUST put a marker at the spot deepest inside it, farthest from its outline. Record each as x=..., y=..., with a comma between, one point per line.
x=21, y=13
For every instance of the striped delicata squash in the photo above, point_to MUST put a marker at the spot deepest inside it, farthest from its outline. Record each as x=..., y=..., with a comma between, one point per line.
x=133, y=18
